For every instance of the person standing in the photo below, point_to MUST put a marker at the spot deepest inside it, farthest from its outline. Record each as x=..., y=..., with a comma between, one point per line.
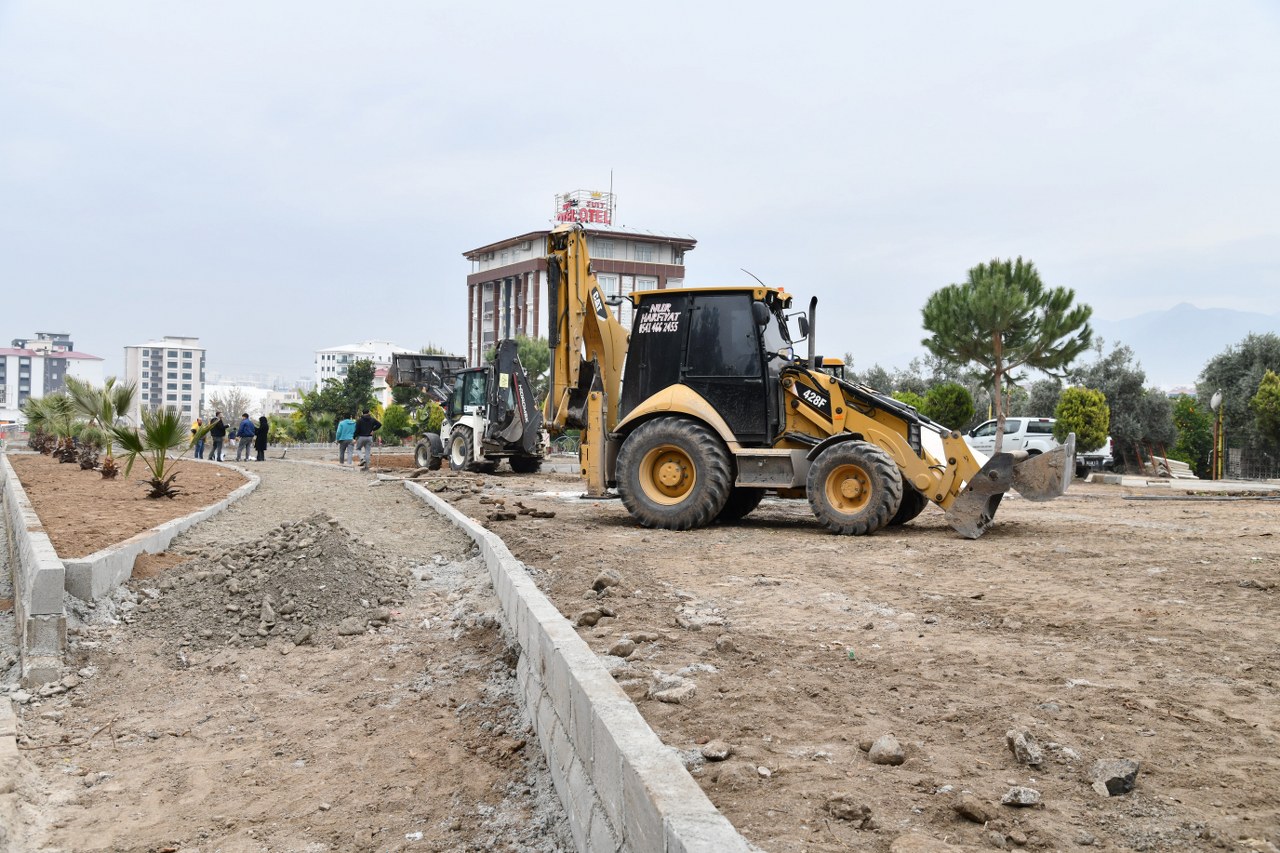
x=260, y=438
x=199, y=439
x=345, y=435
x=244, y=432
x=365, y=428
x=217, y=432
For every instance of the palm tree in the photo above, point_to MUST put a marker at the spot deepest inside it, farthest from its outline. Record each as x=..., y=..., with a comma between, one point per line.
x=162, y=431
x=54, y=418
x=105, y=407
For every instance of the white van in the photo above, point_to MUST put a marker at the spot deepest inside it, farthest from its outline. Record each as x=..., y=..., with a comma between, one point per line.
x=1034, y=435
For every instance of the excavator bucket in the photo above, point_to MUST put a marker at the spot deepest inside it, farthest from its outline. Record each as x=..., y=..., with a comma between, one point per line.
x=1037, y=478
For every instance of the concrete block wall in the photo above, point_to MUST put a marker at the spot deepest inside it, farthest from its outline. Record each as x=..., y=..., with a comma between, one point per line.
x=38, y=583
x=623, y=789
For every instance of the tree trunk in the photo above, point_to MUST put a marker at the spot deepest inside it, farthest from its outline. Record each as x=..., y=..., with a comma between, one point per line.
x=998, y=393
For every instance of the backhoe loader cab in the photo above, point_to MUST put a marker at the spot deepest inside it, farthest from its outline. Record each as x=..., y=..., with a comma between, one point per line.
x=715, y=409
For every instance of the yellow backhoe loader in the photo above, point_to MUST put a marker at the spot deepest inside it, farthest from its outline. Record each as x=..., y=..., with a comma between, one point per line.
x=715, y=409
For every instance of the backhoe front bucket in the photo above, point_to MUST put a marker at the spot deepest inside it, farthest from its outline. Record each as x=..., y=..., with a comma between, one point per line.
x=1038, y=478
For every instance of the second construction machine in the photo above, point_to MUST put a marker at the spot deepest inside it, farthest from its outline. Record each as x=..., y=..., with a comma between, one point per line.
x=716, y=409
x=490, y=414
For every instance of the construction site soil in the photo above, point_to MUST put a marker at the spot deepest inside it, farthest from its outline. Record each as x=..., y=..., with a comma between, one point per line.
x=1097, y=628
x=883, y=693
x=318, y=668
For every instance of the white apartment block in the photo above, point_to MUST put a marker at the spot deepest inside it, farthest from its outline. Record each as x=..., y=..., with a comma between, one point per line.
x=332, y=363
x=169, y=373
x=33, y=367
x=507, y=287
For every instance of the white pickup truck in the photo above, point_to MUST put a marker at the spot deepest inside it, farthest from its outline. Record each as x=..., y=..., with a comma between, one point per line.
x=1034, y=435
x=1100, y=459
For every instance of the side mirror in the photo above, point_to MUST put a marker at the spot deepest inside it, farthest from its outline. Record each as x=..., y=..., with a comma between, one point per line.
x=760, y=313
x=803, y=322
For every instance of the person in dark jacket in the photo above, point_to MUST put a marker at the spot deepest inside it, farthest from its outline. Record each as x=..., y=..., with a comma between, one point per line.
x=244, y=432
x=218, y=434
x=260, y=438
x=365, y=428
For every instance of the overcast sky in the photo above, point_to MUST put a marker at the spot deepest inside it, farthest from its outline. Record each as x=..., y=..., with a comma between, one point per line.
x=281, y=177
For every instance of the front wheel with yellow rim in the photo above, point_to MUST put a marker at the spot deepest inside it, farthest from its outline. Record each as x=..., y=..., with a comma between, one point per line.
x=674, y=474
x=855, y=488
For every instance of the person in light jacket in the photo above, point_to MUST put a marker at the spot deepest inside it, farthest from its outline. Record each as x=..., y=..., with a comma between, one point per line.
x=345, y=435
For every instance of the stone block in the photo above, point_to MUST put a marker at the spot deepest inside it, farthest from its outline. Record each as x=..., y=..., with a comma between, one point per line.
x=703, y=833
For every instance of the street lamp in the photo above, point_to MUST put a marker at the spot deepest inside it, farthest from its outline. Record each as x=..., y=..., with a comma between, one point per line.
x=1215, y=403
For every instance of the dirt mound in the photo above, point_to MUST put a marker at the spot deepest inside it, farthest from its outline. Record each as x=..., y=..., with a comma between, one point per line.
x=303, y=581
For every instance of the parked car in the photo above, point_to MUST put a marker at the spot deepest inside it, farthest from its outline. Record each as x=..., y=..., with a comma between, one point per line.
x=1099, y=459
x=1034, y=435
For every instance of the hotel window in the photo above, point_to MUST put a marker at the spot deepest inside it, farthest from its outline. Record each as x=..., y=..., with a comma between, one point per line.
x=644, y=252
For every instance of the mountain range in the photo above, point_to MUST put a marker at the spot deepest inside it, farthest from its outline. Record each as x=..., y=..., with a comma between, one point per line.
x=1173, y=345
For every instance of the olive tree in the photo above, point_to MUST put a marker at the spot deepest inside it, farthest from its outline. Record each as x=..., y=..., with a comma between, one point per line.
x=1003, y=318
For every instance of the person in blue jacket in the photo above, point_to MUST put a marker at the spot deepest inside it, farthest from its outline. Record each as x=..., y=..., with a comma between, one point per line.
x=245, y=433
x=345, y=436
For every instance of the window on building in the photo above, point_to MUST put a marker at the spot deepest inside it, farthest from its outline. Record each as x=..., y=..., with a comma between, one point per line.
x=644, y=252
x=172, y=397
x=186, y=365
x=603, y=249
x=173, y=353
x=172, y=386
x=186, y=398
x=146, y=352
x=186, y=354
x=608, y=283
x=173, y=365
x=186, y=376
x=186, y=386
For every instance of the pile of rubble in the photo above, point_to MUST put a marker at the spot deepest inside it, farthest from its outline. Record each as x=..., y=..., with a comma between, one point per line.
x=299, y=582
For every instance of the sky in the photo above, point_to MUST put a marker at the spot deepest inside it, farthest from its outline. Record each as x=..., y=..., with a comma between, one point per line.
x=276, y=178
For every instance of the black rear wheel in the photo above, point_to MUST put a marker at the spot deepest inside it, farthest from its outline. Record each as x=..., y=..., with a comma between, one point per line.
x=461, y=449
x=526, y=464
x=742, y=501
x=913, y=503
x=674, y=474
x=854, y=488
x=426, y=454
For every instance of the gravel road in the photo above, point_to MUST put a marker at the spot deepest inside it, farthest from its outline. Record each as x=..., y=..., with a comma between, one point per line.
x=404, y=737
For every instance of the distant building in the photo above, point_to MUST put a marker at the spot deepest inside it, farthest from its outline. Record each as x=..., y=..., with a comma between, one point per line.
x=169, y=373
x=34, y=367
x=332, y=363
x=261, y=401
x=507, y=287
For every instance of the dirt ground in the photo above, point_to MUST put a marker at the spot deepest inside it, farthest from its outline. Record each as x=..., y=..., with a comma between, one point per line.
x=1102, y=626
x=83, y=513
x=318, y=668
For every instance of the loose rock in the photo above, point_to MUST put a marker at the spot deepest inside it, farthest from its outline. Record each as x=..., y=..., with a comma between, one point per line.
x=847, y=807
x=716, y=750
x=1113, y=777
x=969, y=807
x=887, y=750
x=1024, y=747
x=1021, y=797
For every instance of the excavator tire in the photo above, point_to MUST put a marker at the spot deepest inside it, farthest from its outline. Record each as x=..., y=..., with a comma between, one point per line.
x=674, y=474
x=426, y=453
x=855, y=488
x=913, y=503
x=526, y=464
x=462, y=455
x=741, y=503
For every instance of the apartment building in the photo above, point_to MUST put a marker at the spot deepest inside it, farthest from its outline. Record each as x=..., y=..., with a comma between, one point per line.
x=168, y=373
x=39, y=365
x=332, y=363
x=507, y=287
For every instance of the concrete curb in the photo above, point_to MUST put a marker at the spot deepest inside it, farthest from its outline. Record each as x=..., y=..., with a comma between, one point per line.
x=92, y=577
x=38, y=582
x=623, y=789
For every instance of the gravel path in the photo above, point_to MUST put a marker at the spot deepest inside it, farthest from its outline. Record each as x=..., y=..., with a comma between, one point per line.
x=404, y=737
